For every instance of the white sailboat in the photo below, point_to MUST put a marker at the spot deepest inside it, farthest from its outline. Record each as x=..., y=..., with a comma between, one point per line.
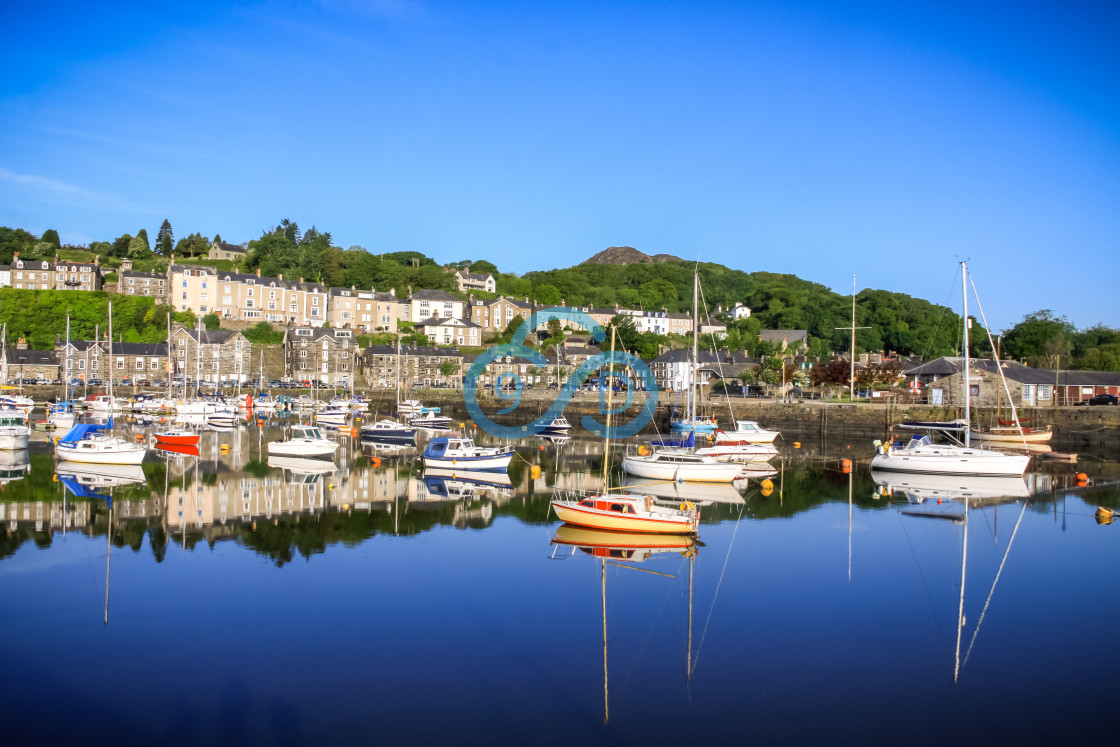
x=304, y=441
x=921, y=455
x=62, y=413
x=94, y=443
x=693, y=421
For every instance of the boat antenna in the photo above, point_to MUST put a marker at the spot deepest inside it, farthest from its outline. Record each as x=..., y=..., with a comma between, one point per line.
x=852, y=356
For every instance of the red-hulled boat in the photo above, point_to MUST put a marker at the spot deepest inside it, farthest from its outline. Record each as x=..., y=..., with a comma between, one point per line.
x=177, y=449
x=177, y=437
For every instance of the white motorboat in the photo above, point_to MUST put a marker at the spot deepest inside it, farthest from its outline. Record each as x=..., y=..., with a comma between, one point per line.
x=462, y=453
x=725, y=452
x=304, y=441
x=62, y=416
x=14, y=431
x=921, y=455
x=746, y=432
x=302, y=466
x=102, y=404
x=677, y=464
x=558, y=427
x=194, y=407
x=93, y=443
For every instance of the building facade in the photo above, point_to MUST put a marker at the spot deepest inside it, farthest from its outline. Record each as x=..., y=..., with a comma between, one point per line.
x=37, y=274
x=495, y=314
x=205, y=290
x=469, y=281
x=419, y=366
x=451, y=331
x=322, y=354
x=425, y=304
x=222, y=354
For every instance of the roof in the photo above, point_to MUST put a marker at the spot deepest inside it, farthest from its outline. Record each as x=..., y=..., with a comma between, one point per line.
x=140, y=348
x=32, y=357
x=1017, y=372
x=435, y=321
x=433, y=295
x=209, y=336
x=252, y=278
x=502, y=299
x=315, y=334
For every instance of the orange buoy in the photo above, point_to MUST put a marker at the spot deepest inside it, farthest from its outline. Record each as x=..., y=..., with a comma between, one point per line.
x=542, y=447
x=375, y=461
x=643, y=450
x=846, y=466
x=1082, y=479
x=797, y=444
x=139, y=437
x=353, y=432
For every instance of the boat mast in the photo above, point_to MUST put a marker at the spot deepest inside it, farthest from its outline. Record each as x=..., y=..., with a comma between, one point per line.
x=692, y=393
x=69, y=364
x=603, y=574
x=170, y=368
x=198, y=362
x=967, y=384
x=960, y=610
x=112, y=369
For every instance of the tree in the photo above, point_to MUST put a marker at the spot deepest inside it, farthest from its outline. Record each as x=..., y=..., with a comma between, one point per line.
x=1029, y=337
x=448, y=368
x=51, y=237
x=211, y=321
x=120, y=246
x=165, y=239
x=138, y=247
x=192, y=246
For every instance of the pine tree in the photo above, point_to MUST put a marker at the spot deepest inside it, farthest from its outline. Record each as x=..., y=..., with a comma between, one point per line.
x=51, y=237
x=165, y=240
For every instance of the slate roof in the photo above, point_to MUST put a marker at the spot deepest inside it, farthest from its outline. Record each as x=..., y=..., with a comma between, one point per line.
x=787, y=335
x=237, y=248
x=436, y=321
x=683, y=355
x=1014, y=371
x=433, y=295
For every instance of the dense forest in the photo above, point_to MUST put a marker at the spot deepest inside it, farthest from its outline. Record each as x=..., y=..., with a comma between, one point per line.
x=897, y=322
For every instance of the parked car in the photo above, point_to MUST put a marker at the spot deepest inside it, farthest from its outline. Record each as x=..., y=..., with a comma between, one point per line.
x=93, y=382
x=1104, y=399
x=276, y=384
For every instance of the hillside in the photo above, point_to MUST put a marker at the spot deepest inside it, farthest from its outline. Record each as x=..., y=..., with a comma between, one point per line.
x=628, y=255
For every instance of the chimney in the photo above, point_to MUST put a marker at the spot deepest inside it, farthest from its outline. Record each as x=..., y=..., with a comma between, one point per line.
x=393, y=292
x=410, y=290
x=301, y=280
x=258, y=272
x=15, y=256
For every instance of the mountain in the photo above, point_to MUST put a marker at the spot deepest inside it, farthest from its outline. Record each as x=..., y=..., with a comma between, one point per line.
x=628, y=255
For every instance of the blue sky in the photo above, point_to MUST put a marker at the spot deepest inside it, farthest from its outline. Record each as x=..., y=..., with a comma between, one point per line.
x=821, y=139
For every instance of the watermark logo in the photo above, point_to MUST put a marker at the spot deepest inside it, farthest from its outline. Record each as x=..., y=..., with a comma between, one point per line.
x=621, y=366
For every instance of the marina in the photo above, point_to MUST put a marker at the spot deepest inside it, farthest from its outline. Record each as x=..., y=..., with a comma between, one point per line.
x=806, y=573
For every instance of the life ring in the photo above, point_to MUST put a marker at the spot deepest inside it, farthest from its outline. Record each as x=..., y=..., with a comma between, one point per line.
x=687, y=506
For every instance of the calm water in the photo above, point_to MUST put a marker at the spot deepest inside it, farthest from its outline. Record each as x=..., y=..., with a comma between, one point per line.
x=250, y=604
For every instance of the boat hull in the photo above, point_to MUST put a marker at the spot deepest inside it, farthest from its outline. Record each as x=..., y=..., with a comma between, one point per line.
x=177, y=440
x=944, y=461
x=486, y=463
x=715, y=472
x=593, y=519
x=123, y=453
x=1012, y=436
x=14, y=441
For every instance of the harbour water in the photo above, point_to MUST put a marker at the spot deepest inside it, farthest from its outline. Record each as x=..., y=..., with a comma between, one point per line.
x=225, y=599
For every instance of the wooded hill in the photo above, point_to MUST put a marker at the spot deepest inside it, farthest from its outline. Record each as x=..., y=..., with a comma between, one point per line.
x=897, y=322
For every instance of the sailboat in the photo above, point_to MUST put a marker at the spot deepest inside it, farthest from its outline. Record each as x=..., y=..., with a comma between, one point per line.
x=94, y=443
x=629, y=512
x=62, y=413
x=391, y=430
x=921, y=455
x=692, y=421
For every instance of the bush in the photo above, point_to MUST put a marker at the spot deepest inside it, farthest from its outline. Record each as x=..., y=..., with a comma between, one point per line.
x=211, y=321
x=263, y=334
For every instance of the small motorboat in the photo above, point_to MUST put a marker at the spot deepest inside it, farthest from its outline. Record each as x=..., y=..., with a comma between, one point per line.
x=462, y=453
x=304, y=441
x=177, y=437
x=558, y=427
x=389, y=430
x=627, y=513
x=746, y=432
x=725, y=452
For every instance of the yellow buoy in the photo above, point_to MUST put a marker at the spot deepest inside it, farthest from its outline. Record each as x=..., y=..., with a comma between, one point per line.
x=535, y=471
x=797, y=444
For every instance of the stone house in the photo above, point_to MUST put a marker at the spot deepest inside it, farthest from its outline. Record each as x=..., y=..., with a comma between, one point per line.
x=495, y=314
x=785, y=337
x=222, y=354
x=420, y=366
x=673, y=369
x=322, y=354
x=942, y=381
x=24, y=363
x=37, y=274
x=133, y=283
x=231, y=295
x=222, y=250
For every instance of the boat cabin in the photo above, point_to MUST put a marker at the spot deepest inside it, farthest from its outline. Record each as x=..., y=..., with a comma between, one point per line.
x=306, y=431
x=608, y=505
x=746, y=425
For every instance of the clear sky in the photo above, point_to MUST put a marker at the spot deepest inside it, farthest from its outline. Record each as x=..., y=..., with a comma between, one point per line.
x=882, y=139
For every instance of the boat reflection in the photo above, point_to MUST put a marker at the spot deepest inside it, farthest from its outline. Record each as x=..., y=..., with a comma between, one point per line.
x=173, y=450
x=90, y=477
x=701, y=494
x=918, y=488
x=14, y=465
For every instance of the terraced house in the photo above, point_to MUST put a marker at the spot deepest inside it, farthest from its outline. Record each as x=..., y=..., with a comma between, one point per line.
x=230, y=295
x=320, y=353
x=425, y=304
x=419, y=366
x=495, y=314
x=362, y=310
x=133, y=283
x=37, y=274
x=217, y=354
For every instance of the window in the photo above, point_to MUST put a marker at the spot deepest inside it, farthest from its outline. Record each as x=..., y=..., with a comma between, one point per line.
x=1044, y=391
x=314, y=300
x=120, y=363
x=139, y=364
x=155, y=364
